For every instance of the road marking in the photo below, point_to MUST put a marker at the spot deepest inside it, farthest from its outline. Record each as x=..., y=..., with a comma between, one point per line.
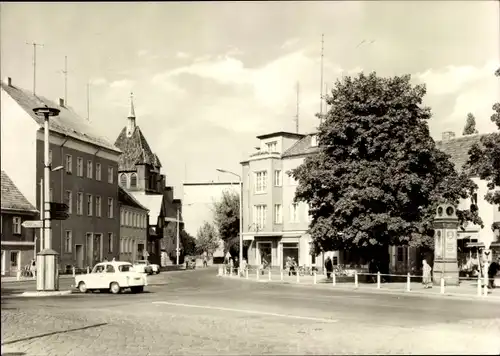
x=256, y=312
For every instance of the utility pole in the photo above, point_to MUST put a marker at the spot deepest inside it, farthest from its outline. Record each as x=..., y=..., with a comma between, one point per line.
x=177, y=237
x=34, y=63
x=65, y=72
x=297, y=114
x=321, y=86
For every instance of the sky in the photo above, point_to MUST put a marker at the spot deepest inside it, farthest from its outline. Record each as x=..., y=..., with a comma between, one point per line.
x=208, y=77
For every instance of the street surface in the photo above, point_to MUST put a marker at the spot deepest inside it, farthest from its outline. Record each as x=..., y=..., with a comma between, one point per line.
x=197, y=313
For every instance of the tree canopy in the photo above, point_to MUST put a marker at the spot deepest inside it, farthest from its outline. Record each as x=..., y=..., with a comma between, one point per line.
x=484, y=159
x=207, y=239
x=470, y=125
x=227, y=219
x=188, y=243
x=378, y=175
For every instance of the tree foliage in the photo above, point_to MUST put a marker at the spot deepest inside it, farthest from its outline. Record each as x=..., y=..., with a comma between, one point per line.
x=470, y=125
x=207, y=239
x=227, y=218
x=188, y=243
x=378, y=175
x=484, y=159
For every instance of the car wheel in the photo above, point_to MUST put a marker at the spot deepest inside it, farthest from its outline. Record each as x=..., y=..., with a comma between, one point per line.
x=114, y=288
x=82, y=287
x=138, y=289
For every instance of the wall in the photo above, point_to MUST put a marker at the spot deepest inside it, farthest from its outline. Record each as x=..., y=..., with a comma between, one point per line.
x=289, y=189
x=198, y=200
x=27, y=235
x=18, y=145
x=132, y=235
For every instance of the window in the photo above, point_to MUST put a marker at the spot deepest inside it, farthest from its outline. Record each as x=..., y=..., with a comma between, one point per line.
x=110, y=269
x=89, y=169
x=277, y=178
x=272, y=146
x=125, y=268
x=16, y=225
x=335, y=260
x=69, y=164
x=278, y=215
x=51, y=194
x=97, y=171
x=110, y=242
x=110, y=175
x=260, y=216
x=89, y=205
x=50, y=157
x=123, y=180
x=110, y=208
x=68, y=200
x=68, y=241
x=79, y=166
x=314, y=141
x=135, y=219
x=126, y=218
x=98, y=206
x=294, y=216
x=79, y=203
x=260, y=181
x=133, y=180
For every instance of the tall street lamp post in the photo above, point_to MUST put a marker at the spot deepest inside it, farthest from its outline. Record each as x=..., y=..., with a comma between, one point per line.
x=47, y=278
x=241, y=208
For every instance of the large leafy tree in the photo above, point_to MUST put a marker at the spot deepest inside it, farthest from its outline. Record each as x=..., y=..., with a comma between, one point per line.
x=188, y=243
x=227, y=220
x=470, y=125
x=484, y=159
x=378, y=175
x=207, y=239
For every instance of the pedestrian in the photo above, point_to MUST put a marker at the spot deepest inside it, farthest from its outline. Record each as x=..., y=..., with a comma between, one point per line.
x=231, y=266
x=288, y=265
x=243, y=267
x=492, y=272
x=205, y=263
x=426, y=275
x=328, y=267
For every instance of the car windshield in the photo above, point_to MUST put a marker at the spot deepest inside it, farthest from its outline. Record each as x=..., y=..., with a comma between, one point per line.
x=126, y=268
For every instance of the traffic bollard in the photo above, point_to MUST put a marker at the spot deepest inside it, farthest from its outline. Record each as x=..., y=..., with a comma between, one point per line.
x=237, y=272
x=298, y=276
x=479, y=291
x=231, y=271
x=88, y=269
x=257, y=273
x=378, y=280
x=334, y=279
x=314, y=277
x=408, y=283
x=269, y=273
x=18, y=274
x=355, y=279
x=281, y=275
x=74, y=271
x=442, y=285
x=246, y=273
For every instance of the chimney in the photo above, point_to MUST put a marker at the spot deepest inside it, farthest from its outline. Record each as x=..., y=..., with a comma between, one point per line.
x=448, y=135
x=9, y=81
x=61, y=102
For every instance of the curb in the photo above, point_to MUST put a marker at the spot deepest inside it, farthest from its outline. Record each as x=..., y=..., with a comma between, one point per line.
x=457, y=296
x=39, y=294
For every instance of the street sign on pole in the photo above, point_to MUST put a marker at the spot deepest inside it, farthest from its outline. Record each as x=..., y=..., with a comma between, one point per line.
x=59, y=211
x=32, y=224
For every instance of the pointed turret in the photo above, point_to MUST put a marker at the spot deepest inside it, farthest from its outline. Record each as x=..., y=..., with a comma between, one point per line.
x=131, y=117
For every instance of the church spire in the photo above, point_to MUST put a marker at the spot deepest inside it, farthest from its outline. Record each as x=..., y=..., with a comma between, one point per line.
x=131, y=117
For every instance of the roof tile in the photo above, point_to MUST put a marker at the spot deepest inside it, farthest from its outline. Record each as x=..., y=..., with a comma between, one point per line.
x=135, y=150
x=12, y=198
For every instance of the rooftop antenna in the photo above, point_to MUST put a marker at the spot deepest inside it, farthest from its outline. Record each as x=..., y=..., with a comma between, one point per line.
x=321, y=86
x=88, y=101
x=34, y=63
x=297, y=114
x=65, y=72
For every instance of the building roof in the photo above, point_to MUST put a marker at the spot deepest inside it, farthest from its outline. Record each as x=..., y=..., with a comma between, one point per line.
x=301, y=147
x=67, y=123
x=152, y=202
x=12, y=198
x=126, y=198
x=280, y=133
x=135, y=150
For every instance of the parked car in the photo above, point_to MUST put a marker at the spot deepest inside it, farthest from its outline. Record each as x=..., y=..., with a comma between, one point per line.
x=114, y=276
x=145, y=267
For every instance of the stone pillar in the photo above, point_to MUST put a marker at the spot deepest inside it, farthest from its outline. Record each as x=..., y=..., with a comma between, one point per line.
x=445, y=245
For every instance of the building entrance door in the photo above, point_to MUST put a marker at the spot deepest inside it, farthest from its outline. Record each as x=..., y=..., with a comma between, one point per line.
x=79, y=256
x=89, y=252
x=265, y=253
x=290, y=250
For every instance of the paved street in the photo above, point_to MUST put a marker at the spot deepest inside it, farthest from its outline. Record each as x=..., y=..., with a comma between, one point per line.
x=197, y=313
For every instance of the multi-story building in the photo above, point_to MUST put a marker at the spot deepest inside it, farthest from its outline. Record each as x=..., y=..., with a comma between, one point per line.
x=277, y=227
x=133, y=228
x=18, y=243
x=87, y=182
x=140, y=174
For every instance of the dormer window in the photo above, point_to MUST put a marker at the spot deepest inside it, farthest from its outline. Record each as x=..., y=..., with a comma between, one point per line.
x=314, y=140
x=272, y=146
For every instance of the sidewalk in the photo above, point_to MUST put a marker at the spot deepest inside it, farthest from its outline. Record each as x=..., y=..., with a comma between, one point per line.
x=30, y=279
x=466, y=289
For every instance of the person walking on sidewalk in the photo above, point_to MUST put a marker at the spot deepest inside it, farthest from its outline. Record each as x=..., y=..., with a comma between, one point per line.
x=426, y=275
x=492, y=272
x=328, y=267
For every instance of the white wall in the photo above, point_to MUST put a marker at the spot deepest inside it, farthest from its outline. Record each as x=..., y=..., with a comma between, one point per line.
x=197, y=203
x=289, y=189
x=18, y=146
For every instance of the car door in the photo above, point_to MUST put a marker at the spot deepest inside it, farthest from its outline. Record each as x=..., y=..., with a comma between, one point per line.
x=109, y=276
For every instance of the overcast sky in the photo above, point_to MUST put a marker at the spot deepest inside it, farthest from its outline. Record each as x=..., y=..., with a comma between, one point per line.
x=208, y=77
